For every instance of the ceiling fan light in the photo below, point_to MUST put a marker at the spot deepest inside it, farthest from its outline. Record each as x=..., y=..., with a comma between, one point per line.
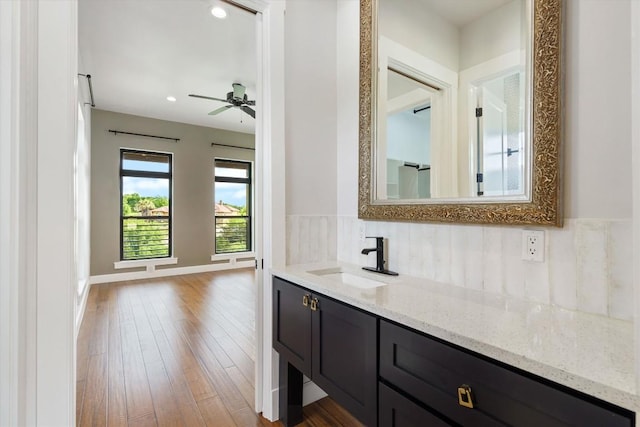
x=218, y=12
x=171, y=98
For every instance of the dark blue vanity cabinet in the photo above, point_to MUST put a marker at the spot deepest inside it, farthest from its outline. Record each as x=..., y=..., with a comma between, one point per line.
x=387, y=374
x=332, y=343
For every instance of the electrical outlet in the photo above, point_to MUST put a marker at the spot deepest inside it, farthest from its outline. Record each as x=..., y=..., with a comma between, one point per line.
x=533, y=245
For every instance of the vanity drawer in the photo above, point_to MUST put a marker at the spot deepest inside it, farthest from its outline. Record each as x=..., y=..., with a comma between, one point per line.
x=396, y=410
x=432, y=372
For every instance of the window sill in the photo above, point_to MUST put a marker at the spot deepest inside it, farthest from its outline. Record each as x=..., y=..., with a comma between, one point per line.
x=235, y=255
x=150, y=264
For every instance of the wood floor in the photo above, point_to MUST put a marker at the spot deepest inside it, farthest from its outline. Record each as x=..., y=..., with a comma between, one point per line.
x=175, y=351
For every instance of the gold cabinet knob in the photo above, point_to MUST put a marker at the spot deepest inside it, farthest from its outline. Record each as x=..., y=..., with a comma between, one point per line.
x=305, y=300
x=314, y=304
x=465, y=397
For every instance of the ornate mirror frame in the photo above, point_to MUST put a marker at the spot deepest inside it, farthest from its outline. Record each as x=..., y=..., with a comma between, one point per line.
x=545, y=204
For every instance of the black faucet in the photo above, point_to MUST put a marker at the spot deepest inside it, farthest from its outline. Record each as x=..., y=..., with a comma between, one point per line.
x=379, y=250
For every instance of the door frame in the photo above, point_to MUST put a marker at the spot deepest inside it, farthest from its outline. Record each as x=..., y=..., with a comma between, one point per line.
x=270, y=189
x=39, y=66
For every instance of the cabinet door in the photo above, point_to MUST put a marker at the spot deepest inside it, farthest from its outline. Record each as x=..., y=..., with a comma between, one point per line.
x=398, y=411
x=432, y=371
x=292, y=324
x=345, y=357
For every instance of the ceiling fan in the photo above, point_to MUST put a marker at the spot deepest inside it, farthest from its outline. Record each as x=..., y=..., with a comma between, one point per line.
x=236, y=98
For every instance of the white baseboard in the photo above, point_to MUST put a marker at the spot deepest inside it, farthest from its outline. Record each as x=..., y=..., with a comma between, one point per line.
x=82, y=304
x=166, y=272
x=311, y=392
x=275, y=410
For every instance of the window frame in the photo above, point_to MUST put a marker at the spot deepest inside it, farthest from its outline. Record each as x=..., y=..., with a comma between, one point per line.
x=249, y=182
x=146, y=174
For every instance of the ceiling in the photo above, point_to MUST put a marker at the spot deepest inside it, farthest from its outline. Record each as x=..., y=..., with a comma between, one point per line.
x=462, y=12
x=138, y=52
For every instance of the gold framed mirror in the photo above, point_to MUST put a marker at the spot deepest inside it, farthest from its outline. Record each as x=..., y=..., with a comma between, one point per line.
x=538, y=198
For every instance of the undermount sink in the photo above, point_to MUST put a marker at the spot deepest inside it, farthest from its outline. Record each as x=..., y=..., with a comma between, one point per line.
x=347, y=278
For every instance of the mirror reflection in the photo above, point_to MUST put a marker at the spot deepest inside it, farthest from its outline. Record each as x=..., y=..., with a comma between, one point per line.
x=453, y=103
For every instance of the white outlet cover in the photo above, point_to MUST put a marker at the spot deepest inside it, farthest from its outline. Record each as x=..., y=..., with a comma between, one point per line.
x=533, y=245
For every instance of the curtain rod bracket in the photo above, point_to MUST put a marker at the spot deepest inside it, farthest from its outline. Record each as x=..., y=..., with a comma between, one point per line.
x=92, y=103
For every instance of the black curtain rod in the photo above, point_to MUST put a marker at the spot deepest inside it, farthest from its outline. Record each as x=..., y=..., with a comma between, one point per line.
x=410, y=77
x=232, y=146
x=240, y=6
x=116, y=132
x=417, y=166
x=417, y=110
x=88, y=76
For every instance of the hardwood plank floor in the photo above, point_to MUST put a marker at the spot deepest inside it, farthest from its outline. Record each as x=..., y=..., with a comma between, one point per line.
x=176, y=351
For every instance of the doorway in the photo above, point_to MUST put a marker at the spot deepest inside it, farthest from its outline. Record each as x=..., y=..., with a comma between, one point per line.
x=235, y=119
x=45, y=306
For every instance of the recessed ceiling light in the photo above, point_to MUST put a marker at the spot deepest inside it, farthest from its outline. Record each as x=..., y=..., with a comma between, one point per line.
x=218, y=12
x=171, y=98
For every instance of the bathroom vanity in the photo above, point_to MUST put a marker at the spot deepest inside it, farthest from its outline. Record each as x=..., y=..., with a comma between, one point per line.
x=401, y=351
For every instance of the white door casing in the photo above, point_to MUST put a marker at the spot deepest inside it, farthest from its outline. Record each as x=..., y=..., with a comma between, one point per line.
x=38, y=113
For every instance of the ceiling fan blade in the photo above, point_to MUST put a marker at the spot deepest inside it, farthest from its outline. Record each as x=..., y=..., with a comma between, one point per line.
x=220, y=110
x=207, y=97
x=249, y=111
x=250, y=102
x=238, y=91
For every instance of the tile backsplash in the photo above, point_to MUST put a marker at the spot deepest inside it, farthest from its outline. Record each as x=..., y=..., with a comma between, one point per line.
x=587, y=267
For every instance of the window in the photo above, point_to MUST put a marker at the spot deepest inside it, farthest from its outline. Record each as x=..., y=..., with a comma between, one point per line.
x=232, y=207
x=145, y=189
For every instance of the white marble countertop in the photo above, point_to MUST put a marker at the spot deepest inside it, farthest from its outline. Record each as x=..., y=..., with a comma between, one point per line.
x=590, y=353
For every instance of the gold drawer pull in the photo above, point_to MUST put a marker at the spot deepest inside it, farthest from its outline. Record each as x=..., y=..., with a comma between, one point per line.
x=305, y=300
x=314, y=304
x=464, y=396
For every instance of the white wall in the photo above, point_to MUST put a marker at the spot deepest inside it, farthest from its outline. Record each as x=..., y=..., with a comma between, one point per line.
x=589, y=261
x=82, y=194
x=57, y=284
x=409, y=136
x=347, y=105
x=635, y=108
x=420, y=30
x=493, y=35
x=193, y=175
x=598, y=109
x=311, y=96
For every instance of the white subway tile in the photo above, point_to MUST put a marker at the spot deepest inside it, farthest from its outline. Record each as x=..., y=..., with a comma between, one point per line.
x=588, y=263
x=492, y=260
x=442, y=254
x=536, y=281
x=473, y=259
x=427, y=251
x=303, y=240
x=512, y=262
x=591, y=256
x=459, y=250
x=415, y=245
x=621, y=269
x=332, y=233
x=292, y=239
x=561, y=255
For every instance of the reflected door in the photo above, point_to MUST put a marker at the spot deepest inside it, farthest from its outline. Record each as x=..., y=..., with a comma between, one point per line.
x=492, y=145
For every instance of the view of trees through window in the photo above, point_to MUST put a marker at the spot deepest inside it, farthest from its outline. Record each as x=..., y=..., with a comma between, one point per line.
x=146, y=208
x=232, y=209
